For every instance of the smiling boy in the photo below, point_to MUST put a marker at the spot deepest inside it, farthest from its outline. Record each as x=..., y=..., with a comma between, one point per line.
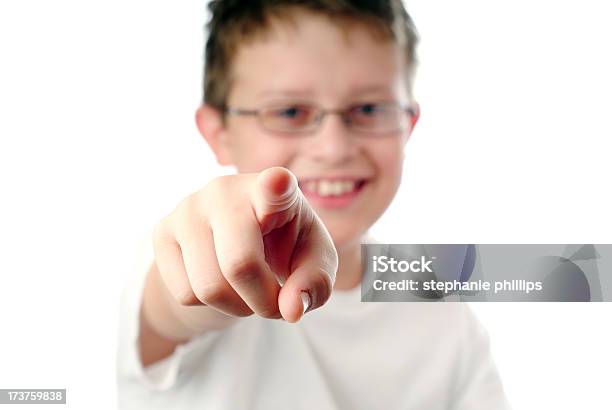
x=311, y=102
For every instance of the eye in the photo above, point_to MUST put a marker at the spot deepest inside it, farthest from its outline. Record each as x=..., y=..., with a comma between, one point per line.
x=288, y=117
x=296, y=115
x=367, y=109
x=291, y=113
x=368, y=112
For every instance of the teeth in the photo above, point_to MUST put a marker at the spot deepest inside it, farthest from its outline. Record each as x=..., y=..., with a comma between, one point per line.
x=325, y=187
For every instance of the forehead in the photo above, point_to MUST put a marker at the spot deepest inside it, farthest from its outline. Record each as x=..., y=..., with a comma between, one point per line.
x=313, y=57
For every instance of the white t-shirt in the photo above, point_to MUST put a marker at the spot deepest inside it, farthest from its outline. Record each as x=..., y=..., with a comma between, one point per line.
x=344, y=355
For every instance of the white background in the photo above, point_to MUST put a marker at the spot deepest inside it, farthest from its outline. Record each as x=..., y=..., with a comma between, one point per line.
x=98, y=141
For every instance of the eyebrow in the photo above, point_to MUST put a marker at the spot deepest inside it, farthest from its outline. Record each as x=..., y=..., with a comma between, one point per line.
x=307, y=92
x=372, y=89
x=286, y=93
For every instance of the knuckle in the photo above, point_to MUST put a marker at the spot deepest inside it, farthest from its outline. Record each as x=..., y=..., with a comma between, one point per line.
x=186, y=297
x=210, y=293
x=242, y=270
x=270, y=312
x=222, y=198
x=245, y=313
x=185, y=207
x=159, y=233
x=218, y=185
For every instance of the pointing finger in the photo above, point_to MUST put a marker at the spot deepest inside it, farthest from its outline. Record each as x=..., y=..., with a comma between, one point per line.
x=276, y=198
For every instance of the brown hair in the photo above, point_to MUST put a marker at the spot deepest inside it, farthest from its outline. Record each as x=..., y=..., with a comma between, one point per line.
x=235, y=22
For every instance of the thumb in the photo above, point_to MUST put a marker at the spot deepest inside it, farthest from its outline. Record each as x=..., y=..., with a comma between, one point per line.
x=313, y=272
x=276, y=197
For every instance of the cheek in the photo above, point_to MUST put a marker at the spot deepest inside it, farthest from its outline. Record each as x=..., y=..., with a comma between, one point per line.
x=390, y=159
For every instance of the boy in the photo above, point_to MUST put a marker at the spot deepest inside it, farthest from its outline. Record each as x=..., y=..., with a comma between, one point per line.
x=311, y=102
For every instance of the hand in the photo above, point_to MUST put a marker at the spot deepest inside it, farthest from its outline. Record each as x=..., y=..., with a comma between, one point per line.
x=230, y=244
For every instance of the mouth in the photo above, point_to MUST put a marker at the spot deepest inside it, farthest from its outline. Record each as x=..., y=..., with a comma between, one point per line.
x=332, y=193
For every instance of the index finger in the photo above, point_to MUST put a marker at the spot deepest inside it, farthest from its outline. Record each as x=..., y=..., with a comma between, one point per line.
x=275, y=198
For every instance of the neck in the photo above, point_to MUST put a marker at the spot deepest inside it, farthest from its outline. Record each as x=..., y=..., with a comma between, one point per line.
x=349, y=266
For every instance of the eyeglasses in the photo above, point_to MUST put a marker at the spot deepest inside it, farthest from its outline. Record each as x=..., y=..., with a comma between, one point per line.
x=373, y=119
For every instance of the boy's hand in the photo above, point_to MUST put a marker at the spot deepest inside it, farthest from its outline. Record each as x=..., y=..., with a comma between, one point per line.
x=225, y=246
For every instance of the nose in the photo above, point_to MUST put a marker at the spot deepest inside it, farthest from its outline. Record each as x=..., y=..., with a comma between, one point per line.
x=332, y=143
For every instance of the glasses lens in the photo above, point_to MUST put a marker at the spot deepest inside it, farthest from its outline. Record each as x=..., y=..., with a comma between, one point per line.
x=290, y=118
x=377, y=117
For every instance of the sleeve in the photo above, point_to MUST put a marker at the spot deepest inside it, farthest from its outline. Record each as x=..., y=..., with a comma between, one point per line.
x=478, y=384
x=131, y=374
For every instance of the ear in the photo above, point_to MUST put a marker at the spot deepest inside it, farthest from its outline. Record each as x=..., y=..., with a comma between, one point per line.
x=414, y=119
x=210, y=124
x=416, y=116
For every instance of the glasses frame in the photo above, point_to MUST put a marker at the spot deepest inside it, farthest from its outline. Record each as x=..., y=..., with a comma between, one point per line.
x=320, y=114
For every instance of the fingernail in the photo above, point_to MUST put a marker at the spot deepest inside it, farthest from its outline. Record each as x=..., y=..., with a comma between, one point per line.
x=305, y=300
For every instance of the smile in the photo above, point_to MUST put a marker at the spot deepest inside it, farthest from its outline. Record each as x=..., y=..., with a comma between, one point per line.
x=332, y=192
